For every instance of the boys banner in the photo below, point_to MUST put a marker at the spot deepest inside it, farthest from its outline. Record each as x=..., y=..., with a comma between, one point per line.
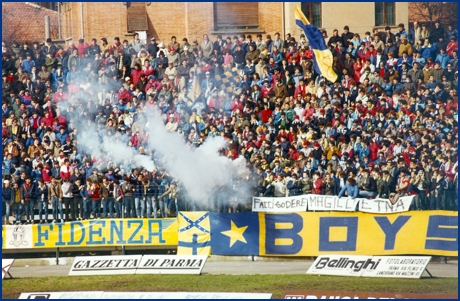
x=262, y=234
x=92, y=233
x=318, y=233
x=316, y=202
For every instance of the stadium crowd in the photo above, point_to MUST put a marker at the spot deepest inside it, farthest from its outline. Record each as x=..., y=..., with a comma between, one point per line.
x=386, y=128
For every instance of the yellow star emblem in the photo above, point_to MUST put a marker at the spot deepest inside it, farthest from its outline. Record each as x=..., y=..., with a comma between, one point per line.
x=235, y=234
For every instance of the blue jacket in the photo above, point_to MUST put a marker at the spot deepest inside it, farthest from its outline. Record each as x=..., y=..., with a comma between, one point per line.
x=351, y=190
x=443, y=59
x=27, y=65
x=428, y=52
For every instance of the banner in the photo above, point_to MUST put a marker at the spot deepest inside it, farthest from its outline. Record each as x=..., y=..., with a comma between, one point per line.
x=183, y=295
x=347, y=265
x=316, y=294
x=100, y=232
x=262, y=234
x=316, y=233
x=137, y=264
x=105, y=265
x=385, y=206
x=143, y=295
x=318, y=202
x=282, y=204
x=194, y=234
x=235, y=233
x=370, y=266
x=171, y=264
x=6, y=265
x=398, y=267
x=62, y=295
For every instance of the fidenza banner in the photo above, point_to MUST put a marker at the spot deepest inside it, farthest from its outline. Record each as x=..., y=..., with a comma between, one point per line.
x=316, y=202
x=137, y=264
x=92, y=233
x=262, y=234
x=319, y=233
x=314, y=294
x=370, y=266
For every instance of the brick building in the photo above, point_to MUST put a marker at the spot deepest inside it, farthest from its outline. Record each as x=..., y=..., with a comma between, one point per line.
x=25, y=22
x=193, y=19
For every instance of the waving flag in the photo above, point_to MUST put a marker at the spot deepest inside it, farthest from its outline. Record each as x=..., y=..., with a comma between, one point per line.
x=322, y=55
x=195, y=89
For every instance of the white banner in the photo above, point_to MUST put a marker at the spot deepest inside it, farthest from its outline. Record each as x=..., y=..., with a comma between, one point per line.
x=61, y=295
x=370, y=266
x=171, y=264
x=341, y=265
x=399, y=267
x=105, y=265
x=281, y=204
x=137, y=264
x=317, y=202
x=385, y=206
x=6, y=265
x=142, y=295
x=183, y=295
x=18, y=236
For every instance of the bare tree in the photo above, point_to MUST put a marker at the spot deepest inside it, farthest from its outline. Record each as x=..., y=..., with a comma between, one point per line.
x=445, y=12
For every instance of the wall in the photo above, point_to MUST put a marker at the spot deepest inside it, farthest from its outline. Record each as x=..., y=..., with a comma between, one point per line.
x=359, y=16
x=24, y=22
x=181, y=19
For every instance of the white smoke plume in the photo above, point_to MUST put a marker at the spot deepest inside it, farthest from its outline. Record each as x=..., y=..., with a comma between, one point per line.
x=202, y=171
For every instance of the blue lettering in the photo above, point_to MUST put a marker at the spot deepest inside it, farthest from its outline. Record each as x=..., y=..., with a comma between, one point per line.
x=72, y=241
x=60, y=242
x=93, y=232
x=118, y=230
x=271, y=233
x=158, y=233
x=140, y=224
x=440, y=238
x=325, y=223
x=390, y=229
x=43, y=234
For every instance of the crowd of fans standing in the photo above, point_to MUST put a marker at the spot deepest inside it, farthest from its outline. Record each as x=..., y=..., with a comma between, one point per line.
x=386, y=128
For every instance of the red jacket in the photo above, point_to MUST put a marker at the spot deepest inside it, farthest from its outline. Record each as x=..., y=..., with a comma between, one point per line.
x=82, y=48
x=125, y=96
x=59, y=97
x=318, y=189
x=156, y=85
x=451, y=47
x=302, y=90
x=236, y=104
x=136, y=75
x=65, y=175
x=266, y=114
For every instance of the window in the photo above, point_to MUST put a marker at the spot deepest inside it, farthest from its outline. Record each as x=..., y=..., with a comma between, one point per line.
x=312, y=10
x=48, y=5
x=384, y=13
x=231, y=15
x=137, y=16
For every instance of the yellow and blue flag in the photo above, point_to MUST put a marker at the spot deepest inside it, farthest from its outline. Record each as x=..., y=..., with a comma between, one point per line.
x=224, y=80
x=322, y=55
x=194, y=234
x=235, y=233
x=194, y=90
